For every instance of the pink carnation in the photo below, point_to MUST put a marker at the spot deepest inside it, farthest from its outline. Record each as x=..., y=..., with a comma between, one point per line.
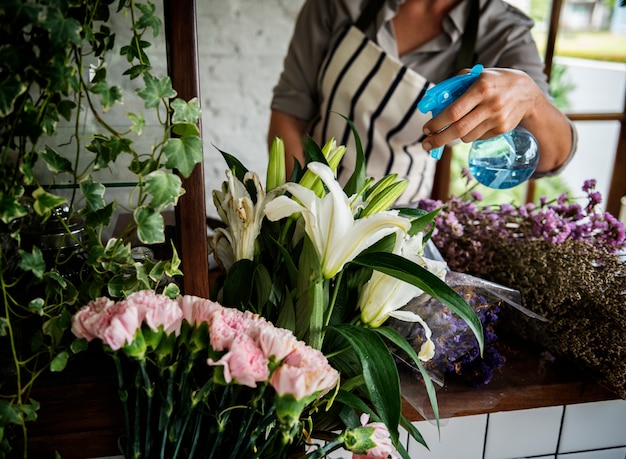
x=84, y=322
x=384, y=447
x=157, y=310
x=304, y=372
x=244, y=363
x=197, y=310
x=226, y=323
x=118, y=324
x=276, y=342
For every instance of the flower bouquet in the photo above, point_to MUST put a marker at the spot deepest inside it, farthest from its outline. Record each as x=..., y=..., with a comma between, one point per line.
x=201, y=380
x=565, y=260
x=333, y=264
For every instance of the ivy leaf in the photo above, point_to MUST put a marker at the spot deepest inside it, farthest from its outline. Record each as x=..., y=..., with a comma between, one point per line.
x=165, y=189
x=183, y=154
x=138, y=122
x=65, y=108
x=10, y=208
x=148, y=18
x=30, y=410
x=55, y=162
x=186, y=112
x=62, y=29
x=135, y=50
x=45, y=202
x=100, y=217
x=150, y=225
x=10, y=413
x=185, y=129
x=10, y=89
x=155, y=90
x=171, y=290
x=36, y=305
x=79, y=345
x=59, y=362
x=33, y=262
x=137, y=70
x=93, y=192
x=109, y=94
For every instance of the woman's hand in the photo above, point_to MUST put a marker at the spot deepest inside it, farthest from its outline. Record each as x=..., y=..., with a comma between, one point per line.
x=497, y=102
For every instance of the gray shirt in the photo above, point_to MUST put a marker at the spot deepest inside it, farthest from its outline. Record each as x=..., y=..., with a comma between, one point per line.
x=504, y=40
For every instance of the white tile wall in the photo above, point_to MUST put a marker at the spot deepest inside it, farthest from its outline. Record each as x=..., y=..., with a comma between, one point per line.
x=613, y=453
x=523, y=433
x=458, y=437
x=593, y=426
x=584, y=431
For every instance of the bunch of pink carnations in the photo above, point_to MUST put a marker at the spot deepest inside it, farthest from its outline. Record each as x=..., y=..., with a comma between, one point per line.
x=200, y=379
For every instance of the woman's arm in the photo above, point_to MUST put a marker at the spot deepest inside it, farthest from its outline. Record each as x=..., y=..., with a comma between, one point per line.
x=497, y=102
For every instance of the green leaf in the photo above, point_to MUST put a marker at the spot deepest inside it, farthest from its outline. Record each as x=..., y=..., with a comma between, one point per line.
x=150, y=225
x=185, y=129
x=30, y=410
x=186, y=112
x=138, y=122
x=379, y=371
x=33, y=262
x=36, y=305
x=420, y=219
x=109, y=95
x=59, y=362
x=79, y=345
x=10, y=208
x=10, y=413
x=401, y=342
x=408, y=271
x=148, y=19
x=10, y=89
x=183, y=154
x=55, y=162
x=93, y=192
x=171, y=290
x=156, y=90
x=62, y=29
x=236, y=166
x=45, y=202
x=357, y=180
x=164, y=187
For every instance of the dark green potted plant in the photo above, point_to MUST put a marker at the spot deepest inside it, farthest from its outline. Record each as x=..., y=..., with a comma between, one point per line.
x=59, y=85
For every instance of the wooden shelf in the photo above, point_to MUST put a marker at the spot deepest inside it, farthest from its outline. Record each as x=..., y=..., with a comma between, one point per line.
x=529, y=379
x=81, y=415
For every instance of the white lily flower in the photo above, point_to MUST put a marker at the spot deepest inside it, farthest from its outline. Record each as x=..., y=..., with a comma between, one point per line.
x=383, y=295
x=242, y=216
x=329, y=222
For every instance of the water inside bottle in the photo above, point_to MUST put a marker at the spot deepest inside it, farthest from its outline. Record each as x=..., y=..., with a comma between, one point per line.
x=504, y=161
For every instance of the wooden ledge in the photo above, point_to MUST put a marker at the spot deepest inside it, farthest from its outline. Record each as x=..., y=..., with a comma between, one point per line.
x=529, y=379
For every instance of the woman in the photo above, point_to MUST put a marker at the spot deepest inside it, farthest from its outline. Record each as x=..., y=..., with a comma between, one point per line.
x=372, y=60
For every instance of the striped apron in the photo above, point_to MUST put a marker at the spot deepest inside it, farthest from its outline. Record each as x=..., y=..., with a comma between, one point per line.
x=361, y=82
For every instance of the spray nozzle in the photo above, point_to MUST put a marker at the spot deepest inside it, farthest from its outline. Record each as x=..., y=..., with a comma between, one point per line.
x=443, y=94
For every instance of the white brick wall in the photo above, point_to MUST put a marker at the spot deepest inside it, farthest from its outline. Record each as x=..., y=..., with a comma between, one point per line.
x=241, y=46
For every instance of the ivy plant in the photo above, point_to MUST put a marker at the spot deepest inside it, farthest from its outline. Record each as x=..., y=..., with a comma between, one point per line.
x=59, y=61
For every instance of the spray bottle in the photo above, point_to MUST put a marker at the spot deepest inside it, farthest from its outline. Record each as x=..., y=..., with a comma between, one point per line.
x=500, y=162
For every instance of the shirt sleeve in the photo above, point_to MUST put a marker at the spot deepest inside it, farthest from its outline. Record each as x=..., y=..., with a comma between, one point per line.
x=296, y=90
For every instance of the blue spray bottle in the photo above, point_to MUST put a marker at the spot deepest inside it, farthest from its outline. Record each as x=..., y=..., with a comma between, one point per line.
x=500, y=162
